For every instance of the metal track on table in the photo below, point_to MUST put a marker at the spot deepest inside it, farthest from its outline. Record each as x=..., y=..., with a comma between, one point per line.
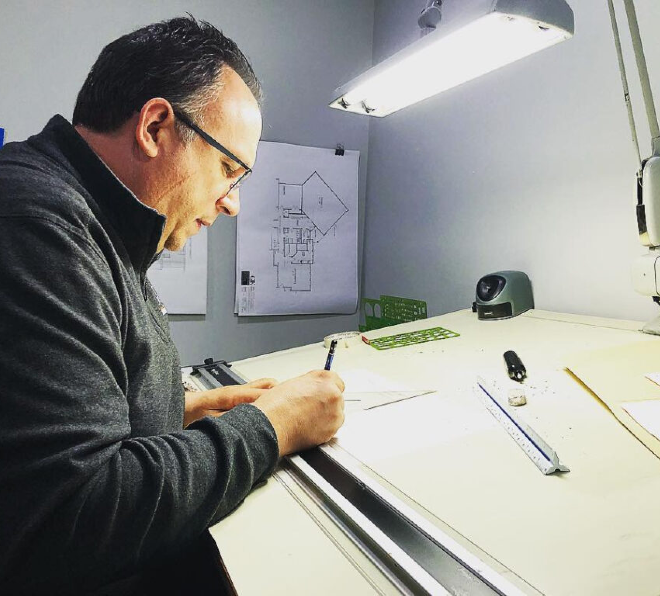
x=414, y=555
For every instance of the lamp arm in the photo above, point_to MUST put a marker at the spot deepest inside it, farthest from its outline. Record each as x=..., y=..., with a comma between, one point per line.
x=646, y=269
x=624, y=82
x=633, y=25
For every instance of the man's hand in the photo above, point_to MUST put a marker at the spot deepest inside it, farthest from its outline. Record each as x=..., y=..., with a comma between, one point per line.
x=217, y=401
x=305, y=411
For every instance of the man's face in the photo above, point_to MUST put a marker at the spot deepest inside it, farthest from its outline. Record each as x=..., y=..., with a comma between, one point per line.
x=194, y=191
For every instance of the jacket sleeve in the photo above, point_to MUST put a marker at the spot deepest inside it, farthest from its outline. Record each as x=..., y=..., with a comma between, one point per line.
x=79, y=497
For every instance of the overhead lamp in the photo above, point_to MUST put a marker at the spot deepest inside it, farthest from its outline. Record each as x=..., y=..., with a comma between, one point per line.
x=487, y=35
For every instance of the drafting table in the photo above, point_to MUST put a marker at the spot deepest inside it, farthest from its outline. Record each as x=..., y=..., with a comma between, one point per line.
x=594, y=530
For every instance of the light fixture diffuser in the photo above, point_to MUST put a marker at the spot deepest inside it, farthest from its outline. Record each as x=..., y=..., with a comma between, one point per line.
x=494, y=33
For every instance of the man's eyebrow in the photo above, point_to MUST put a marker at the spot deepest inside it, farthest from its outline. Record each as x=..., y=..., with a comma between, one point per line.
x=236, y=166
x=232, y=162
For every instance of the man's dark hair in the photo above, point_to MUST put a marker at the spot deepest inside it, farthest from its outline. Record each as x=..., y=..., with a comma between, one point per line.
x=179, y=60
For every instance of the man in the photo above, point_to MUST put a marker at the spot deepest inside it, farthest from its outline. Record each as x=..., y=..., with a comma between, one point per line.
x=106, y=470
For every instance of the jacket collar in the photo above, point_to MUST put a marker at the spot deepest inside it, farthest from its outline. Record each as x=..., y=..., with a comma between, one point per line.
x=137, y=226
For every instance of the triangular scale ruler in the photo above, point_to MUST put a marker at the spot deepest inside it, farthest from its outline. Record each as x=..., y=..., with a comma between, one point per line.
x=544, y=457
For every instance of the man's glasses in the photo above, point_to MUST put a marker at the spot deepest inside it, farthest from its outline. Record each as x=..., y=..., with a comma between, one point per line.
x=211, y=141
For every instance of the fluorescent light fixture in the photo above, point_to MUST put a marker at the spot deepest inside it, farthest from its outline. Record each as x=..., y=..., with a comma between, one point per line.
x=494, y=33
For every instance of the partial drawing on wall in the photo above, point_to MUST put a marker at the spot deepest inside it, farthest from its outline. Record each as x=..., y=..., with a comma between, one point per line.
x=180, y=277
x=297, y=233
x=174, y=260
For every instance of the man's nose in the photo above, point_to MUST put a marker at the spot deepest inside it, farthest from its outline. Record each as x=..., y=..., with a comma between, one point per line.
x=230, y=204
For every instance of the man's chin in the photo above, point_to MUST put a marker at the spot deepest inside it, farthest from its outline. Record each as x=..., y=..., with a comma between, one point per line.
x=175, y=243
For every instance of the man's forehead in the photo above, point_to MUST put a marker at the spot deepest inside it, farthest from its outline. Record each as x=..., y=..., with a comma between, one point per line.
x=236, y=118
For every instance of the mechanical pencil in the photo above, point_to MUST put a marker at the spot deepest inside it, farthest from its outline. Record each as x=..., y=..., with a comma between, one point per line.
x=331, y=354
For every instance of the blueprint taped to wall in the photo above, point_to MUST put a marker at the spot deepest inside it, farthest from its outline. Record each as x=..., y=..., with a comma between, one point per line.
x=179, y=277
x=296, y=243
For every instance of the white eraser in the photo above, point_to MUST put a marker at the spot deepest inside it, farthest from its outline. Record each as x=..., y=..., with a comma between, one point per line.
x=517, y=397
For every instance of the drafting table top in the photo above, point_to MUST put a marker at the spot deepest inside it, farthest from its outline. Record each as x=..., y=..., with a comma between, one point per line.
x=595, y=530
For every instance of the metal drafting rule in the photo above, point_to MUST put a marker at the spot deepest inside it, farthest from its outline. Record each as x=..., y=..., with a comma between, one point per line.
x=544, y=457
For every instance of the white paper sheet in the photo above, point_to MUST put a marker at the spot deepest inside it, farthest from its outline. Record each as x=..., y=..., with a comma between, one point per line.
x=369, y=400
x=365, y=390
x=296, y=242
x=180, y=277
x=654, y=376
x=646, y=413
x=361, y=380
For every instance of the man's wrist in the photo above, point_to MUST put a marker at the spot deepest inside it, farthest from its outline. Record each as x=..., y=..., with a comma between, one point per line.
x=279, y=427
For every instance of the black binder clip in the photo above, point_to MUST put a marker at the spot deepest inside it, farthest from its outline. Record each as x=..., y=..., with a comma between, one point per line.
x=339, y=149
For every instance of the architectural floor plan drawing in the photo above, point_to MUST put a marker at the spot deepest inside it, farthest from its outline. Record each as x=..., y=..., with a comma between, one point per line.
x=180, y=276
x=307, y=212
x=297, y=233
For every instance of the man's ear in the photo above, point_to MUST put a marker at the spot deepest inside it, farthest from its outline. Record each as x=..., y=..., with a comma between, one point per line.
x=155, y=126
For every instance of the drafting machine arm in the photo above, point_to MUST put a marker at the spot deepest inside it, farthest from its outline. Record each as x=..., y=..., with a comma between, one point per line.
x=646, y=269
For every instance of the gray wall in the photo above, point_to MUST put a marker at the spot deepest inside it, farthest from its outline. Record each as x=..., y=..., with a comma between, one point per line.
x=300, y=49
x=530, y=167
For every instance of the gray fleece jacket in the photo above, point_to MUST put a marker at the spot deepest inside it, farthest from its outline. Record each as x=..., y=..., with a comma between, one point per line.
x=98, y=479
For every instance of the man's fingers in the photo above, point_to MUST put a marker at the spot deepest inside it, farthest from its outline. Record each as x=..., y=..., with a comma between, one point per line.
x=241, y=394
x=335, y=378
x=215, y=413
x=225, y=398
x=341, y=384
x=266, y=383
